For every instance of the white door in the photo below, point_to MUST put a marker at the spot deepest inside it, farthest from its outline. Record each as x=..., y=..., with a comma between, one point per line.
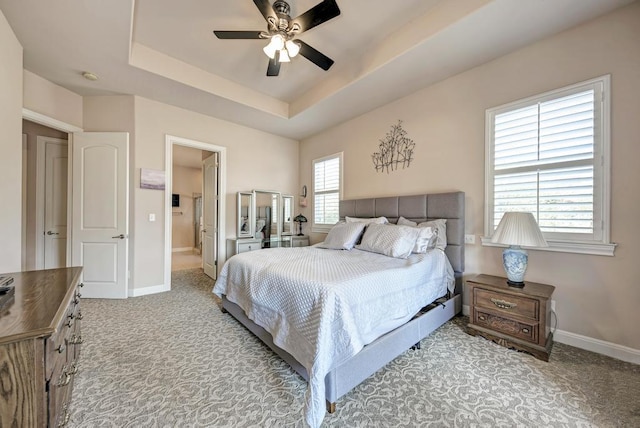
x=210, y=215
x=100, y=212
x=55, y=205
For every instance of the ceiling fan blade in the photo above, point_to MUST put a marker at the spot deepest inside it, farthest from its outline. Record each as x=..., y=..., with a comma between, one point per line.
x=315, y=56
x=318, y=14
x=274, y=65
x=265, y=8
x=239, y=34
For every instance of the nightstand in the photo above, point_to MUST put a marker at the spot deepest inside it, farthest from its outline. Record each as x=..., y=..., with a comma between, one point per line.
x=295, y=241
x=518, y=318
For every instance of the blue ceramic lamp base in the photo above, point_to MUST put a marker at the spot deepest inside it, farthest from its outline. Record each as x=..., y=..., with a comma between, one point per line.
x=515, y=261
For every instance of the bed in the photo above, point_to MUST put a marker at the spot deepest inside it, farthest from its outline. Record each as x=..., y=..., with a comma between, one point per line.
x=330, y=341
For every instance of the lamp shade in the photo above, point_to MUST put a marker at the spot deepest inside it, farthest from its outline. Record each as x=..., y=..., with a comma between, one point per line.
x=519, y=228
x=300, y=219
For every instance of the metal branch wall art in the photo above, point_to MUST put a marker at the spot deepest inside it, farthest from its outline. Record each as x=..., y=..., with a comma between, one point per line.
x=394, y=150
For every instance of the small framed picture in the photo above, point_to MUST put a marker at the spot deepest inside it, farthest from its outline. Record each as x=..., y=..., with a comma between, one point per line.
x=151, y=179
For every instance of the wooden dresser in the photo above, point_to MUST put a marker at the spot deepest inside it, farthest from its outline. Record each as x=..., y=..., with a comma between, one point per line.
x=517, y=318
x=39, y=348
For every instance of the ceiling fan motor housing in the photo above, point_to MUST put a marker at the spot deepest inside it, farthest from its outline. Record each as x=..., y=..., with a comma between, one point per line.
x=282, y=10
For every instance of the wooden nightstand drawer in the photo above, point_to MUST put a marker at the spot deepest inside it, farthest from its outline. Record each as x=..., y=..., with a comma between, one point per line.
x=528, y=332
x=521, y=306
x=513, y=317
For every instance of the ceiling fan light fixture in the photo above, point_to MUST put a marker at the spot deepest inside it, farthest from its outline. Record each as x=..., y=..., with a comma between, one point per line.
x=270, y=51
x=292, y=48
x=284, y=56
x=275, y=44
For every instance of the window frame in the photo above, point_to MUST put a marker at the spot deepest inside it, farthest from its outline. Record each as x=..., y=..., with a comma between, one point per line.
x=601, y=163
x=324, y=228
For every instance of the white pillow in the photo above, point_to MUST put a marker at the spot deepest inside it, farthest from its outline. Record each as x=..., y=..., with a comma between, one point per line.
x=440, y=226
x=426, y=239
x=343, y=236
x=404, y=222
x=367, y=220
x=390, y=240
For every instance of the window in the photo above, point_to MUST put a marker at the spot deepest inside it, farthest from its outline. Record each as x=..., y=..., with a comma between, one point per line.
x=549, y=155
x=327, y=190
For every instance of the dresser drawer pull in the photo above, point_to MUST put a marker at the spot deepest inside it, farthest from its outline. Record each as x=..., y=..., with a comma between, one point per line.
x=482, y=318
x=77, y=340
x=60, y=349
x=65, y=419
x=525, y=330
x=503, y=304
x=65, y=377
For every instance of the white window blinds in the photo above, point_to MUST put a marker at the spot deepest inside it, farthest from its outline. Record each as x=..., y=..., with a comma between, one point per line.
x=326, y=190
x=546, y=155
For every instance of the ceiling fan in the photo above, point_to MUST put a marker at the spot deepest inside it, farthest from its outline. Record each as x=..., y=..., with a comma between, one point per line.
x=282, y=31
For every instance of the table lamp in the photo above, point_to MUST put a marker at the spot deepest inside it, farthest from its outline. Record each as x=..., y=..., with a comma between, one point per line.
x=517, y=229
x=300, y=219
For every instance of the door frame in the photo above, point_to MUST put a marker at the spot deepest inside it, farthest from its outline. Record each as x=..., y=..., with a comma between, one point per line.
x=170, y=140
x=41, y=144
x=45, y=120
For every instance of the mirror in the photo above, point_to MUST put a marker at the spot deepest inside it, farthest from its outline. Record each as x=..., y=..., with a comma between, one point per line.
x=245, y=215
x=287, y=215
x=267, y=223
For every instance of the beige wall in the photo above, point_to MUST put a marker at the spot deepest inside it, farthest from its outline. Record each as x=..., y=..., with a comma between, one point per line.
x=186, y=182
x=33, y=130
x=11, y=148
x=51, y=100
x=596, y=296
x=255, y=159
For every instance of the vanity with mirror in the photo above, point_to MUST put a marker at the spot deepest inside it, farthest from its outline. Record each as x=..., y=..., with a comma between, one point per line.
x=264, y=220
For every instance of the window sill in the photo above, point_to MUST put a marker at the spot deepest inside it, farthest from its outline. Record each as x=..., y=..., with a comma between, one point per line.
x=593, y=248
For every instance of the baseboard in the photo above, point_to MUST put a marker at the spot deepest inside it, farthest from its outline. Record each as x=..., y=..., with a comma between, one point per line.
x=154, y=289
x=179, y=250
x=609, y=349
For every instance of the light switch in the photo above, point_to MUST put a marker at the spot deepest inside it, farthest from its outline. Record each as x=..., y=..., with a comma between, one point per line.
x=152, y=217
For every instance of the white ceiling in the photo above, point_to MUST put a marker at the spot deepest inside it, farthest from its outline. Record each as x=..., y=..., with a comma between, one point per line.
x=165, y=50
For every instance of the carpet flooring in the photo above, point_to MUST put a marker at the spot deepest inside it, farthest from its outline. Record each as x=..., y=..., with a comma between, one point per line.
x=175, y=360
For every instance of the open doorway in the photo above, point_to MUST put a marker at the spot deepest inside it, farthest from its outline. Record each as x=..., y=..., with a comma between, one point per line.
x=45, y=187
x=213, y=204
x=186, y=207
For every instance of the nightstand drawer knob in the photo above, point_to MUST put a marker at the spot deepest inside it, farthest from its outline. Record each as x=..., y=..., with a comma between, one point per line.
x=503, y=304
x=482, y=318
x=525, y=330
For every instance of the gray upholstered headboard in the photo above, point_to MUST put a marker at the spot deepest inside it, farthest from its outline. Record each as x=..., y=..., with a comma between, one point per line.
x=419, y=208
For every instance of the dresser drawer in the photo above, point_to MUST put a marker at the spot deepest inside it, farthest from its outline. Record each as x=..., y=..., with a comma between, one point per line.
x=520, y=330
x=508, y=304
x=248, y=246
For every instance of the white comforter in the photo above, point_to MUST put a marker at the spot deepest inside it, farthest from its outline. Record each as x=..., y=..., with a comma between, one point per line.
x=322, y=306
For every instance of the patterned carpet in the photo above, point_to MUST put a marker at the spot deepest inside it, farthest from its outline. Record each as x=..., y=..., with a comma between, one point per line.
x=174, y=360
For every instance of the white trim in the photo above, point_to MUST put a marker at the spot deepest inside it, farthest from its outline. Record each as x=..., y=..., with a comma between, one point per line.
x=324, y=228
x=600, y=245
x=609, y=349
x=48, y=121
x=593, y=248
x=170, y=140
x=153, y=289
x=181, y=249
x=25, y=154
